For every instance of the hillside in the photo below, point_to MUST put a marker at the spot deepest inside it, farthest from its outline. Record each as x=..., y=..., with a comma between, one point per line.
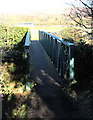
x=38, y=19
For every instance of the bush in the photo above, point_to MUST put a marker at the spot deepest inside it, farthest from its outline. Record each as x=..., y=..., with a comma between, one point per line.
x=74, y=33
x=84, y=66
x=13, y=69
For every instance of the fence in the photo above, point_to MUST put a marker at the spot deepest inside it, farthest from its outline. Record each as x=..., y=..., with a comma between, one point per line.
x=27, y=45
x=60, y=52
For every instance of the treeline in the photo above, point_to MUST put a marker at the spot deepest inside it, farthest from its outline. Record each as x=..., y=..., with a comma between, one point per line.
x=61, y=19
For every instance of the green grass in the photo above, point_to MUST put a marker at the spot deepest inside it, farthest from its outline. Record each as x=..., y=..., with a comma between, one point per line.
x=35, y=29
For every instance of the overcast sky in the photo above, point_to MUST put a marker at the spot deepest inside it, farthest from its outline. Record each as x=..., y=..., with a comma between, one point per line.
x=32, y=6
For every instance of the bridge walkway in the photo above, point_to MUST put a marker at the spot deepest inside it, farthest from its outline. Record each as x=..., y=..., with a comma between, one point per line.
x=50, y=101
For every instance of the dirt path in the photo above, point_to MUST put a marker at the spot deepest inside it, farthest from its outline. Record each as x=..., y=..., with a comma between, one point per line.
x=49, y=100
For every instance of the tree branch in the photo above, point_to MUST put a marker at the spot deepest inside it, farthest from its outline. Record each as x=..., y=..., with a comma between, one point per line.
x=81, y=24
x=85, y=4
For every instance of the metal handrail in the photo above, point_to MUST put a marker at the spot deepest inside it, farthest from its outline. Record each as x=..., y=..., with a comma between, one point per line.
x=27, y=44
x=59, y=39
x=27, y=40
x=60, y=52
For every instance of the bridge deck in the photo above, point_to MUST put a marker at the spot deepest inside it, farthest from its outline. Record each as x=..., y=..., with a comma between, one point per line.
x=50, y=101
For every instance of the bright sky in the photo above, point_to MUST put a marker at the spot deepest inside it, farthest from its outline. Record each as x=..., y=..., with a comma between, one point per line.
x=32, y=6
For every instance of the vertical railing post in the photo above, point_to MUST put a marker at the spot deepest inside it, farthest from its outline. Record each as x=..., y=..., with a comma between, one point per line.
x=44, y=41
x=58, y=62
x=71, y=62
x=54, y=51
x=39, y=35
x=51, y=47
x=62, y=61
x=48, y=47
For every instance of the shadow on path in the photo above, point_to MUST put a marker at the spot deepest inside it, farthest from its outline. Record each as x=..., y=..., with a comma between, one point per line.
x=50, y=101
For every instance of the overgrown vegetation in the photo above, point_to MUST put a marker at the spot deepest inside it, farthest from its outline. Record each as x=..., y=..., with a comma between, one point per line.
x=13, y=54
x=84, y=66
x=14, y=71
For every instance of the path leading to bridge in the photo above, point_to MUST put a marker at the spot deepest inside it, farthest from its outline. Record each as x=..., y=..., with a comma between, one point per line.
x=49, y=101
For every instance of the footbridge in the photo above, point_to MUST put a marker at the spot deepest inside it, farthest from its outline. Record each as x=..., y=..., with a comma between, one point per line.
x=52, y=64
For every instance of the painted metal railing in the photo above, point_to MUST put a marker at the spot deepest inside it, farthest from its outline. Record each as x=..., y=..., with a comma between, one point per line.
x=27, y=40
x=60, y=52
x=27, y=43
x=26, y=46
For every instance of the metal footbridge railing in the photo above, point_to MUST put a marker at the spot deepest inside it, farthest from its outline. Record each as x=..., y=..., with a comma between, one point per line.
x=60, y=52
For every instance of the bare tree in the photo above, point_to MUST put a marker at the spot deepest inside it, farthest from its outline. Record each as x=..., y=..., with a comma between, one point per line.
x=83, y=15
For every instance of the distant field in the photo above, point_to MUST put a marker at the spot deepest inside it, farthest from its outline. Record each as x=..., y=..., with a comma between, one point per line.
x=52, y=28
x=34, y=30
